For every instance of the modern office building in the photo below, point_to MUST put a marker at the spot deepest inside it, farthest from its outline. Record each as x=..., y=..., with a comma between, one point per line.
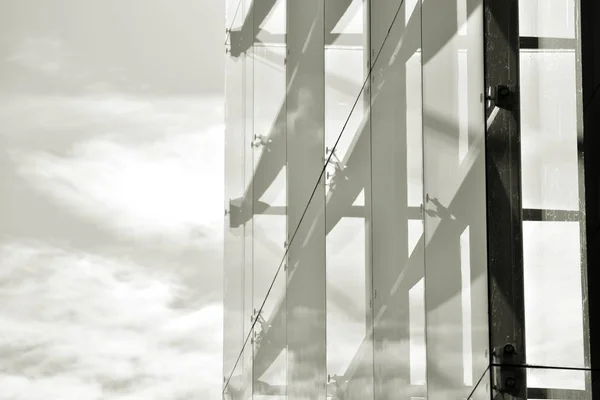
x=412, y=203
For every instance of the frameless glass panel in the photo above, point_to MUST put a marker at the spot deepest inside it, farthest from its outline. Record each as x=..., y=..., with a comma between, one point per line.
x=549, y=130
x=346, y=66
x=455, y=205
x=397, y=192
x=269, y=341
x=306, y=321
x=553, y=294
x=239, y=385
x=272, y=26
x=234, y=243
x=547, y=18
x=270, y=204
x=566, y=384
x=306, y=302
x=552, y=176
x=349, y=319
x=269, y=143
x=482, y=390
x=233, y=17
x=248, y=204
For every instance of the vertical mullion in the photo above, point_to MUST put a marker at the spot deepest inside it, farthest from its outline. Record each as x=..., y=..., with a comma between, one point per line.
x=587, y=12
x=503, y=168
x=581, y=176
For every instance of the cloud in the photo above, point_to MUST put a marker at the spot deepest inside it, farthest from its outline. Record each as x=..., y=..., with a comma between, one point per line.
x=80, y=326
x=43, y=54
x=157, y=176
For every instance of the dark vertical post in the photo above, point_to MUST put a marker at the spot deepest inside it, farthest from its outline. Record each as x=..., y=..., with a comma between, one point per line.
x=590, y=61
x=503, y=169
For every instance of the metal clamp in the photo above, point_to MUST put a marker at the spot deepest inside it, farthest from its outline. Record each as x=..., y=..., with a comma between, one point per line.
x=508, y=376
x=260, y=140
x=500, y=96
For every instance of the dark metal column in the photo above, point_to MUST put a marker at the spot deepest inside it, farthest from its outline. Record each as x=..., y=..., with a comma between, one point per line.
x=503, y=165
x=590, y=59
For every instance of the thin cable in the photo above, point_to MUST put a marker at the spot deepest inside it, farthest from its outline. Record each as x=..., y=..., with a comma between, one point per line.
x=478, y=382
x=232, y=21
x=529, y=366
x=591, y=98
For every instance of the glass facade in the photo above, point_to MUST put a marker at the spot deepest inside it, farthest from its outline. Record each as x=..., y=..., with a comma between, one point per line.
x=405, y=216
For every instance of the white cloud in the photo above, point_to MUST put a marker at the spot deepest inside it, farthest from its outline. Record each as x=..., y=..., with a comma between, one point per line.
x=166, y=186
x=79, y=326
x=45, y=54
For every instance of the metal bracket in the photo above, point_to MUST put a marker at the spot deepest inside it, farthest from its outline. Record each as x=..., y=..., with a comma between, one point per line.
x=338, y=172
x=260, y=140
x=507, y=378
x=500, y=96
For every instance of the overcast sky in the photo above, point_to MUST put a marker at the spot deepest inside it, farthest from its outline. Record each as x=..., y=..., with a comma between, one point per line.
x=111, y=142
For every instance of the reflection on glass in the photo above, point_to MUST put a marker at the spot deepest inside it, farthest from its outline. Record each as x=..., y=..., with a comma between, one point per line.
x=553, y=294
x=346, y=56
x=465, y=277
x=547, y=18
x=418, y=359
x=567, y=384
x=239, y=385
x=235, y=151
x=549, y=130
x=306, y=304
x=481, y=391
x=269, y=188
x=550, y=133
x=455, y=205
x=306, y=355
x=397, y=192
x=248, y=203
x=349, y=350
x=269, y=344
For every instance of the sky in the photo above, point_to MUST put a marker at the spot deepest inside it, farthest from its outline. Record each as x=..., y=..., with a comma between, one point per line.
x=111, y=182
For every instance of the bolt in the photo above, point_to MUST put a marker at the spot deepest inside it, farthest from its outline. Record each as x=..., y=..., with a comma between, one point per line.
x=510, y=382
x=504, y=91
x=509, y=349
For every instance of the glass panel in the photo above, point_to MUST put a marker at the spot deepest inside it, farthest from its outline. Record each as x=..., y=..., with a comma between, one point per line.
x=547, y=18
x=556, y=384
x=553, y=294
x=552, y=176
x=269, y=143
x=239, y=386
x=482, y=388
x=349, y=319
x=345, y=72
x=233, y=17
x=549, y=130
x=306, y=313
x=306, y=321
x=397, y=192
x=233, y=285
x=270, y=334
x=455, y=205
x=248, y=203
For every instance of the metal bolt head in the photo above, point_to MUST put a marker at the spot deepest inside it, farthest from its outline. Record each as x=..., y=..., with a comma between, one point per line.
x=504, y=91
x=509, y=349
x=510, y=382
